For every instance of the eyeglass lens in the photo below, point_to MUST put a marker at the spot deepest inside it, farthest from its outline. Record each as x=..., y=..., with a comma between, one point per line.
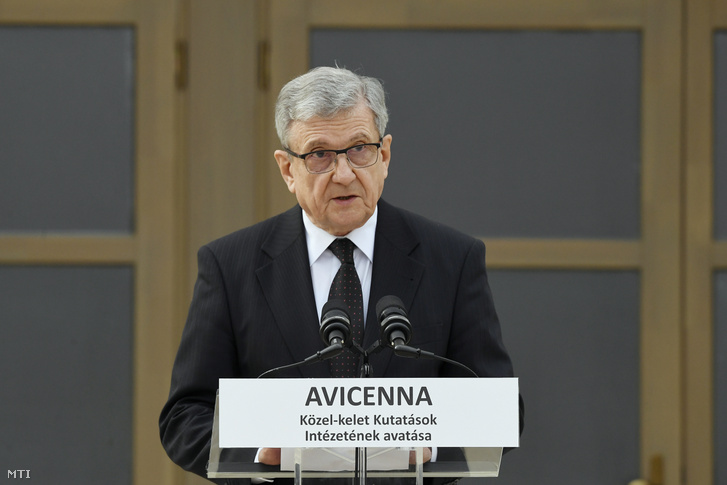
x=360, y=156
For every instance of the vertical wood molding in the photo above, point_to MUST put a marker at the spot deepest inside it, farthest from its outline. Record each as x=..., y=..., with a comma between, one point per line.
x=158, y=246
x=661, y=392
x=699, y=254
x=220, y=133
x=289, y=54
x=265, y=169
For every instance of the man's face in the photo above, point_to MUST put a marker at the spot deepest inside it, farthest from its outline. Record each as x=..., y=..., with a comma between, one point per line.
x=343, y=199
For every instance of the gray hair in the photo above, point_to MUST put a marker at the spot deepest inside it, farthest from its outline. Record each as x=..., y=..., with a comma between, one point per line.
x=325, y=92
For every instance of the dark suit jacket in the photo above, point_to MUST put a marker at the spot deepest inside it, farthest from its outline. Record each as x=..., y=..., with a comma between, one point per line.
x=253, y=309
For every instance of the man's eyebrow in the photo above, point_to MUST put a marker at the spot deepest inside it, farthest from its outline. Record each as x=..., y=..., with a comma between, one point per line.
x=360, y=137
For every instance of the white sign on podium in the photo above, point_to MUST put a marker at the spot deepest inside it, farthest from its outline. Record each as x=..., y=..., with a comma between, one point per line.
x=333, y=428
x=375, y=412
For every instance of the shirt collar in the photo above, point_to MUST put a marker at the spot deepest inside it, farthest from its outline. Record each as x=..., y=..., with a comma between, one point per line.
x=318, y=240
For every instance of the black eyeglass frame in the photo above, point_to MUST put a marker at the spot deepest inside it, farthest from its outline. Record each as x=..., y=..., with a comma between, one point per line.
x=337, y=152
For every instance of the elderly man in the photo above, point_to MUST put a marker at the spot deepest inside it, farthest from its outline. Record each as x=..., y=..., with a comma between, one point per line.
x=260, y=291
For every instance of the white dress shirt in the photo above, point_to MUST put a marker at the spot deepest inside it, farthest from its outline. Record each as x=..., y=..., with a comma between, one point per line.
x=324, y=264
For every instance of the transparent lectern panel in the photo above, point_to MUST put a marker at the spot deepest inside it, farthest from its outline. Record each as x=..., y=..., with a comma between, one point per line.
x=302, y=464
x=66, y=367
x=66, y=128
x=574, y=340
x=720, y=378
x=507, y=133
x=720, y=135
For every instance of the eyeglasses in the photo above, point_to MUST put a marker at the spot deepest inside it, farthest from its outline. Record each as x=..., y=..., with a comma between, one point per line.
x=323, y=161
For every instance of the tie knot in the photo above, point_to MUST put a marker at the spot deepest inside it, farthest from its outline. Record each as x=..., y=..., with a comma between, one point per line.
x=343, y=249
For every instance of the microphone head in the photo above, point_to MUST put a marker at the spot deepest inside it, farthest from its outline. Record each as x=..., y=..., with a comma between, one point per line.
x=334, y=304
x=393, y=320
x=335, y=323
x=389, y=304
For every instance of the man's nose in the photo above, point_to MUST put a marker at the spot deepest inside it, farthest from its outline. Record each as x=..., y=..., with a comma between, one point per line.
x=342, y=172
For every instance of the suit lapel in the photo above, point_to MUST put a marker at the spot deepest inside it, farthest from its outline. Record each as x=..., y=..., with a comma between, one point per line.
x=286, y=283
x=395, y=272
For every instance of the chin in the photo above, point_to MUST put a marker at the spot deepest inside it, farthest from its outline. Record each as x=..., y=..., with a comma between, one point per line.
x=341, y=228
x=347, y=222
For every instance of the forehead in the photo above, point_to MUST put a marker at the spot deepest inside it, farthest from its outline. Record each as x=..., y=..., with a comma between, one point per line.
x=346, y=127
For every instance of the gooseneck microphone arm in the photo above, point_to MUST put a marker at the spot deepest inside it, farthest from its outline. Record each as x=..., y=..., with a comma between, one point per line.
x=411, y=352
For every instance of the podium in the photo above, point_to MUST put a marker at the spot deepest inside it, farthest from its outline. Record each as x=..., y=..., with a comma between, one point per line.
x=361, y=429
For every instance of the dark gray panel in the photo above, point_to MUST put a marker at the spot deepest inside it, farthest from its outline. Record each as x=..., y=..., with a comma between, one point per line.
x=720, y=135
x=66, y=129
x=720, y=379
x=519, y=134
x=574, y=340
x=66, y=367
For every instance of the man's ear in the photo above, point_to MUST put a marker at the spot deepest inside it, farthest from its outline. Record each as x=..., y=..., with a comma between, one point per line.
x=386, y=150
x=285, y=165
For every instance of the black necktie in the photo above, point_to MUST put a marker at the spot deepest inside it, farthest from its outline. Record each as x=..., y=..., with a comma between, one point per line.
x=347, y=287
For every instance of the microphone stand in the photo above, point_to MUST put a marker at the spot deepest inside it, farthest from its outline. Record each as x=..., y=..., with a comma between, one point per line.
x=361, y=454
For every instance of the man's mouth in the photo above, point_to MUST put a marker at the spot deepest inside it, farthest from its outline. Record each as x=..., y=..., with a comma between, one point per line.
x=345, y=197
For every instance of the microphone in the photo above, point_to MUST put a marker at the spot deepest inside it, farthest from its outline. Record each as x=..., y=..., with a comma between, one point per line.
x=335, y=324
x=396, y=331
x=395, y=325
